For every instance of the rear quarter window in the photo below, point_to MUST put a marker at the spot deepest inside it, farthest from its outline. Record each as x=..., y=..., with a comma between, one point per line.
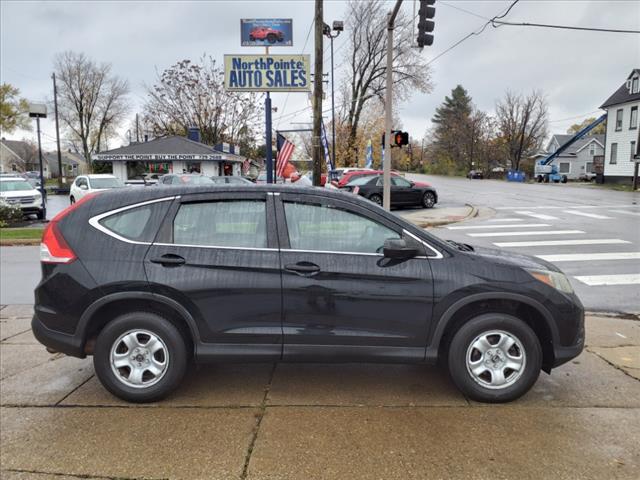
x=138, y=224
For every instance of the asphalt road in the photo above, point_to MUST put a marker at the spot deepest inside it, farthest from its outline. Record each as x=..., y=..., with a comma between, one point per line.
x=591, y=233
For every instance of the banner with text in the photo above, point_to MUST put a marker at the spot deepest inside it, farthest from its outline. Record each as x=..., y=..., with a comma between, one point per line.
x=267, y=73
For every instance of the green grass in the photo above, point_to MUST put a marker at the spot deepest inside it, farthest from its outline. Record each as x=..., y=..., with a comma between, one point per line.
x=20, y=233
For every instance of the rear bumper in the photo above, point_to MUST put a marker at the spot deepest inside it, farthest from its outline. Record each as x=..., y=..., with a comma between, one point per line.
x=60, y=342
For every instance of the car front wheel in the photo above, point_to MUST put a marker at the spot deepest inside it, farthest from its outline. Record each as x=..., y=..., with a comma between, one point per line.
x=428, y=200
x=375, y=198
x=140, y=357
x=494, y=358
x=72, y=200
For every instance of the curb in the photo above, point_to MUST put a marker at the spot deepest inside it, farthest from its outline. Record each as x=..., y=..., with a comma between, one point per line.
x=438, y=223
x=19, y=243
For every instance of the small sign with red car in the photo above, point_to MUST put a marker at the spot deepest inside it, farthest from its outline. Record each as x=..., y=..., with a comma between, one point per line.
x=266, y=32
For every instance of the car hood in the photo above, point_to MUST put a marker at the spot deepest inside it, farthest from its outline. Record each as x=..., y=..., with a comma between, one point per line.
x=19, y=193
x=505, y=257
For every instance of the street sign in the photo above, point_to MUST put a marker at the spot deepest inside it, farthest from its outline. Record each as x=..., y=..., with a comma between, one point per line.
x=266, y=32
x=266, y=73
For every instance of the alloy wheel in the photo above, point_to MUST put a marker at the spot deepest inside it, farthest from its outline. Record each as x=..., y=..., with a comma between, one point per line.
x=139, y=358
x=496, y=359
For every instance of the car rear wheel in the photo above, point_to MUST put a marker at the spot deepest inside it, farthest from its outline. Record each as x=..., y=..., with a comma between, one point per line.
x=494, y=358
x=140, y=357
x=375, y=198
x=72, y=200
x=428, y=200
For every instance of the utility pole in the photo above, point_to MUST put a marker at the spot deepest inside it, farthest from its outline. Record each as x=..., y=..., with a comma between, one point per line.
x=137, y=129
x=317, y=96
x=55, y=106
x=388, y=109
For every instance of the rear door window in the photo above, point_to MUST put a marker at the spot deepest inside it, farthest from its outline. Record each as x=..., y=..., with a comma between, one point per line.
x=228, y=223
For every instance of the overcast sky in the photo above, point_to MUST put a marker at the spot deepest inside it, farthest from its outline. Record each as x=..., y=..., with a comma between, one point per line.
x=576, y=70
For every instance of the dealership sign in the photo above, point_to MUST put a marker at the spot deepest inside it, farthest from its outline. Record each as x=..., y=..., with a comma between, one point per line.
x=266, y=32
x=266, y=73
x=153, y=157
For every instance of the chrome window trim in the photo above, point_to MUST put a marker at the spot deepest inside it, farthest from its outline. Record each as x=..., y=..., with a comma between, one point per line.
x=95, y=220
x=438, y=254
x=219, y=247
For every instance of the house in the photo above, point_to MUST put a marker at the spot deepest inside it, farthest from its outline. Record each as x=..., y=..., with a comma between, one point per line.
x=173, y=154
x=622, y=130
x=18, y=156
x=576, y=161
x=73, y=164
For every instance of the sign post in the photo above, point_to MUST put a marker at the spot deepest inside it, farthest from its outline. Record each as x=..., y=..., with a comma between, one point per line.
x=38, y=111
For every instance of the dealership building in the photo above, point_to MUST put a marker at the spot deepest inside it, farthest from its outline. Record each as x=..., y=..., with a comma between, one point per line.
x=174, y=154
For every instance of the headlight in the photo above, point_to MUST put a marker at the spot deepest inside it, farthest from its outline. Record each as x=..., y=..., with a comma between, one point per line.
x=38, y=195
x=557, y=280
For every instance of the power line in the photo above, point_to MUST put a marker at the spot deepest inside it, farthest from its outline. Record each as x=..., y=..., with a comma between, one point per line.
x=563, y=27
x=573, y=118
x=474, y=33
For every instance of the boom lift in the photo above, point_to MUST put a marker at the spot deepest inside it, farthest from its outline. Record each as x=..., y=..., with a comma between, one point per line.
x=546, y=172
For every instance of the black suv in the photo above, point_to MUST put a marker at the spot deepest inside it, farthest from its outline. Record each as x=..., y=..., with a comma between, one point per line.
x=147, y=279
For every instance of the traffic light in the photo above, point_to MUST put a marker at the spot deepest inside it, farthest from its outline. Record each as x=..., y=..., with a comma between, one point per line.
x=425, y=26
x=400, y=138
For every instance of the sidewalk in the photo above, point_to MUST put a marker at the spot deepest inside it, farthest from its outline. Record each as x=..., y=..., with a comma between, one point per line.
x=437, y=216
x=319, y=421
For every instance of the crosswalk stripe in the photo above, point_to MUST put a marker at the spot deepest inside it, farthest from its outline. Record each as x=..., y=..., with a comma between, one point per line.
x=585, y=214
x=556, y=243
x=520, y=225
x=620, y=279
x=522, y=234
x=546, y=207
x=637, y=214
x=505, y=220
x=584, y=257
x=541, y=216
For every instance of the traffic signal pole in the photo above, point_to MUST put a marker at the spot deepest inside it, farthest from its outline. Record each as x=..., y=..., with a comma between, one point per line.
x=388, y=109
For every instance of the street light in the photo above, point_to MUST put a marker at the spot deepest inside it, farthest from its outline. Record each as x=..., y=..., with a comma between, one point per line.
x=38, y=111
x=338, y=27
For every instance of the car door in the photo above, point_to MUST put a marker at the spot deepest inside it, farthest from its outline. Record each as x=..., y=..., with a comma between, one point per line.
x=341, y=298
x=217, y=255
x=79, y=190
x=402, y=191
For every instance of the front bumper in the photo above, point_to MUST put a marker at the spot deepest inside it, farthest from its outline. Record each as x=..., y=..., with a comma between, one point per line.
x=60, y=342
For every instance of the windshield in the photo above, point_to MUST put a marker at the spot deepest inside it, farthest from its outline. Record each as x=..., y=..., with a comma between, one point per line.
x=196, y=180
x=15, y=185
x=106, y=182
x=360, y=180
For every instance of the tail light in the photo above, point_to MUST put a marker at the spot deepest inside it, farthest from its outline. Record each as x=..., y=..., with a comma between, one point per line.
x=53, y=247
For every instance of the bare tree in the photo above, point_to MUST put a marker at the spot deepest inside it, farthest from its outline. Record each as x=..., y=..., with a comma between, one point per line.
x=92, y=101
x=366, y=60
x=189, y=94
x=522, y=125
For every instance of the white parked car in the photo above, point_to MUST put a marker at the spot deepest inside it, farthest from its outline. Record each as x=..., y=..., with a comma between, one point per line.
x=85, y=184
x=17, y=191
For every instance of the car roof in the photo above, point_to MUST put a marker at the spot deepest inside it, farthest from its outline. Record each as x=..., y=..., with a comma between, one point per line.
x=99, y=175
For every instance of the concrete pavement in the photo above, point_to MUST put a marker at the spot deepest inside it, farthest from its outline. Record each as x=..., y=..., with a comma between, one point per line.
x=305, y=421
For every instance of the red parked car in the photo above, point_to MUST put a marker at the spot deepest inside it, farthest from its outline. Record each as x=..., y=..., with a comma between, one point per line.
x=271, y=35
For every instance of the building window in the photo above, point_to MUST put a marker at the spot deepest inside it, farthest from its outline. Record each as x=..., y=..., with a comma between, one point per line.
x=633, y=122
x=634, y=85
x=632, y=150
x=614, y=154
x=565, y=167
x=619, y=119
x=589, y=167
x=592, y=149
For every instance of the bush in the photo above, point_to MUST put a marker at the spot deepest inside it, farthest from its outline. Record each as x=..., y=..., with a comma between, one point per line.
x=9, y=214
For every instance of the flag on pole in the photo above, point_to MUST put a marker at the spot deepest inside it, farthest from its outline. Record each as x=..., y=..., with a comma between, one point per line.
x=369, y=158
x=285, y=150
x=325, y=146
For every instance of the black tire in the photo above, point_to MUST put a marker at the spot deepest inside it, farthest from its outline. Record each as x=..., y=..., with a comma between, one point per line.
x=564, y=179
x=375, y=198
x=176, y=359
x=540, y=178
x=251, y=38
x=478, y=387
x=40, y=215
x=72, y=200
x=428, y=200
x=271, y=38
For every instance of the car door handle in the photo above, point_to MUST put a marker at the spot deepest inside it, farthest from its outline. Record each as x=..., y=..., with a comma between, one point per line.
x=169, y=260
x=303, y=268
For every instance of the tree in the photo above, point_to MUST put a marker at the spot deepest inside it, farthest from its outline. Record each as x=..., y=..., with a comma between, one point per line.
x=13, y=110
x=522, y=125
x=452, y=122
x=192, y=94
x=366, y=60
x=91, y=101
x=599, y=130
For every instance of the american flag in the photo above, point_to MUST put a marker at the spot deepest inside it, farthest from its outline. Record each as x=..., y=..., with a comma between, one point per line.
x=246, y=165
x=285, y=150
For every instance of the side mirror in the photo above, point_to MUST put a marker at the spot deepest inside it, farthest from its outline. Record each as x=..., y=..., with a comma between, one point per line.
x=398, y=249
x=84, y=187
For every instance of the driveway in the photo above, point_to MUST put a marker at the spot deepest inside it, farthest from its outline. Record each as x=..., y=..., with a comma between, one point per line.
x=305, y=421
